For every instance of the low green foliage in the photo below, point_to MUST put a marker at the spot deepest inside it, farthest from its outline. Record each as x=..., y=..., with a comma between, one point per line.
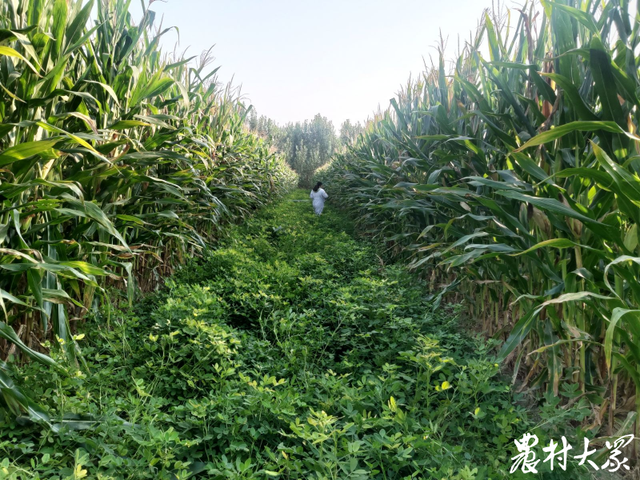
x=289, y=352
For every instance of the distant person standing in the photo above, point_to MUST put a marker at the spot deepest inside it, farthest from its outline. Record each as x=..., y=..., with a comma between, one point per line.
x=318, y=195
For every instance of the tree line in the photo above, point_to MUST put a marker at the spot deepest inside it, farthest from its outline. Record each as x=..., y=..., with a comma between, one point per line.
x=306, y=145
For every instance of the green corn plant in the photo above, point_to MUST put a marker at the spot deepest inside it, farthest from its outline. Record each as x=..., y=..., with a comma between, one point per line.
x=117, y=162
x=515, y=174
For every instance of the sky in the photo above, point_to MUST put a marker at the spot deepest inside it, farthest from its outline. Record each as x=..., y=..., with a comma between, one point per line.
x=296, y=58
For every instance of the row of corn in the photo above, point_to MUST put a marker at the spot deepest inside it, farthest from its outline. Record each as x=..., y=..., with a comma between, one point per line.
x=511, y=179
x=117, y=162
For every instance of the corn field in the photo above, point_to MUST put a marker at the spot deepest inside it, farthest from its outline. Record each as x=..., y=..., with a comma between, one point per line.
x=512, y=179
x=117, y=162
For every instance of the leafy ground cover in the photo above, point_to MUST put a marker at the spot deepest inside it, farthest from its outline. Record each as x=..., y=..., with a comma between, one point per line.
x=292, y=351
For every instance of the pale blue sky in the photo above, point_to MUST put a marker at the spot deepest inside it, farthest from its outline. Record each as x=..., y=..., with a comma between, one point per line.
x=340, y=58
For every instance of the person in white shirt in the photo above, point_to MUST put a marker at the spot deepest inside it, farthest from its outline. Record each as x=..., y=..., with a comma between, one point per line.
x=318, y=195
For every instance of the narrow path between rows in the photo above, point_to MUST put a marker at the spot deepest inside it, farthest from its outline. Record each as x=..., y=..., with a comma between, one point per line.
x=290, y=352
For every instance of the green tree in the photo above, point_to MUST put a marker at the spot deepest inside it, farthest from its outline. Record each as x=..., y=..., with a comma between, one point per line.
x=306, y=145
x=349, y=132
